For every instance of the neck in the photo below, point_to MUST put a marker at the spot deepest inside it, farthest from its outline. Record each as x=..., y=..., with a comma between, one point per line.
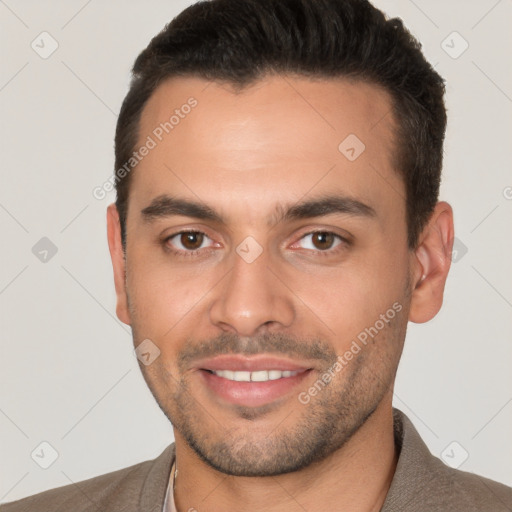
x=355, y=478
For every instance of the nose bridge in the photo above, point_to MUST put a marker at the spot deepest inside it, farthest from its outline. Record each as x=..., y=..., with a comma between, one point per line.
x=251, y=299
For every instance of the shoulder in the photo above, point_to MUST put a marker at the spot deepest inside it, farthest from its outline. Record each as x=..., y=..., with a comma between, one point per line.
x=468, y=491
x=119, y=491
x=422, y=482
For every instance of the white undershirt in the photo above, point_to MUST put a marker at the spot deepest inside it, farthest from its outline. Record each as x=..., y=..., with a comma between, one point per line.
x=169, y=505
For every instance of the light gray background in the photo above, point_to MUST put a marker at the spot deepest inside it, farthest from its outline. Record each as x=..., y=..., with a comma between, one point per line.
x=68, y=372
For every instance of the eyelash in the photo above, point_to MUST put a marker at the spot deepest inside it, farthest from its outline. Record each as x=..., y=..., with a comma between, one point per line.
x=180, y=252
x=344, y=242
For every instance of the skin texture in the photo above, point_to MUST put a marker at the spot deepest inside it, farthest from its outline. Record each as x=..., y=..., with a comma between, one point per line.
x=249, y=156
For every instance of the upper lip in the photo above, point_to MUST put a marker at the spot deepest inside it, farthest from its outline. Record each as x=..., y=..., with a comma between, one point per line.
x=238, y=363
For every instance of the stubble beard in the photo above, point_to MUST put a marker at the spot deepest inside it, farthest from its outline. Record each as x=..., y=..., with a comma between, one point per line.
x=323, y=426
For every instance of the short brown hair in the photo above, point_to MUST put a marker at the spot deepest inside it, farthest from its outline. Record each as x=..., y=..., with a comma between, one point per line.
x=240, y=41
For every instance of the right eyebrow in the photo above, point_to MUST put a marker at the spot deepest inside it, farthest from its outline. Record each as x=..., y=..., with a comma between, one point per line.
x=166, y=206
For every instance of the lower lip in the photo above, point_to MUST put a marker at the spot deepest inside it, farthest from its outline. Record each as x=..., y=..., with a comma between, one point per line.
x=252, y=394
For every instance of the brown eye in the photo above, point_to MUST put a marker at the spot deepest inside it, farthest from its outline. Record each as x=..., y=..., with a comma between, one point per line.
x=322, y=241
x=188, y=241
x=192, y=240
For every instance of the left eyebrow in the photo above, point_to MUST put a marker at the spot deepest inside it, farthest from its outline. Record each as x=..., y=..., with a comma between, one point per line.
x=166, y=206
x=325, y=205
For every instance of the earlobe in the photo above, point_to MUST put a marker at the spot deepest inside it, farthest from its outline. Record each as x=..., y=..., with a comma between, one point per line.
x=118, y=263
x=431, y=263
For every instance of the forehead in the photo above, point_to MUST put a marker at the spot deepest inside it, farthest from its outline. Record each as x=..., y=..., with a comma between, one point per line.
x=277, y=139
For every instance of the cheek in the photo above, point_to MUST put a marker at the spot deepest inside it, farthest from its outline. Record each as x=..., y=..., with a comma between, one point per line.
x=343, y=303
x=351, y=297
x=163, y=297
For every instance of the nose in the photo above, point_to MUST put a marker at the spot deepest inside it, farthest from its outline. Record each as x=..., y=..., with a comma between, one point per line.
x=252, y=299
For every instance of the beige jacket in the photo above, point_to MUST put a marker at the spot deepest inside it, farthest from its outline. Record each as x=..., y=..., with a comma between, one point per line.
x=422, y=483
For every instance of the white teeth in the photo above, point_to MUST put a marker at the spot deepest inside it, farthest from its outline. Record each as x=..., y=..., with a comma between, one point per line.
x=260, y=376
x=228, y=374
x=257, y=376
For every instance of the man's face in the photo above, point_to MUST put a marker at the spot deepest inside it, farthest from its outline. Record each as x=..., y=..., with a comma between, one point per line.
x=250, y=291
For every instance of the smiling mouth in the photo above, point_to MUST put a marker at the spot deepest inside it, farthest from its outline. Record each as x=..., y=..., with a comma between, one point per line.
x=252, y=388
x=255, y=376
x=252, y=381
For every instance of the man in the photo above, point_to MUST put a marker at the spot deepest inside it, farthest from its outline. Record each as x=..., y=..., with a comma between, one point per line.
x=276, y=227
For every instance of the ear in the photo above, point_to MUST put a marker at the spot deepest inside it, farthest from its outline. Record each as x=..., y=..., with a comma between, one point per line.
x=431, y=262
x=118, y=263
